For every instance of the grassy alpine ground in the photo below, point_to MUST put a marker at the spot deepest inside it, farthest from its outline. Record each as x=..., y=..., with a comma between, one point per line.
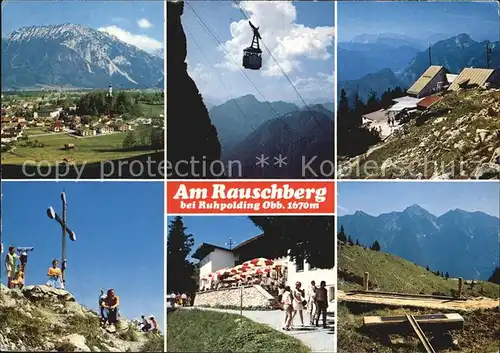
x=390, y=273
x=209, y=331
x=393, y=274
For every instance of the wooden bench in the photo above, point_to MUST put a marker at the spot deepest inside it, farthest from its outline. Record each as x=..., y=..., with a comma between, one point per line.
x=428, y=323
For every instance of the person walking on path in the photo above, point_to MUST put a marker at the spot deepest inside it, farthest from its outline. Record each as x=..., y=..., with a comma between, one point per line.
x=321, y=303
x=311, y=303
x=298, y=302
x=286, y=300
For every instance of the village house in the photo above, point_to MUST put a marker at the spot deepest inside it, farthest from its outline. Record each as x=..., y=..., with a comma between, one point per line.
x=55, y=114
x=474, y=77
x=84, y=131
x=433, y=80
x=76, y=119
x=427, y=102
x=21, y=126
x=121, y=126
x=404, y=105
x=213, y=258
x=103, y=129
x=15, y=120
x=58, y=126
x=10, y=134
x=375, y=117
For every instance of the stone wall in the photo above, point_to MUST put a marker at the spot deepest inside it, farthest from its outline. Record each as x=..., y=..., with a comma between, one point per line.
x=253, y=296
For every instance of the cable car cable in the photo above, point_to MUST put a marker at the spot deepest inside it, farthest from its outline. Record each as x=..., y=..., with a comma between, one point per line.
x=244, y=73
x=219, y=78
x=284, y=73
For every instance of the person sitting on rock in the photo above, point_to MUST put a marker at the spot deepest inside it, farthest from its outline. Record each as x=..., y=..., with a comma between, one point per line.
x=19, y=281
x=146, y=326
x=111, y=304
x=55, y=276
x=154, y=323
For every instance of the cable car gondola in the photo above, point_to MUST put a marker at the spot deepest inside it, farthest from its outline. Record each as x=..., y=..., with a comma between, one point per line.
x=252, y=56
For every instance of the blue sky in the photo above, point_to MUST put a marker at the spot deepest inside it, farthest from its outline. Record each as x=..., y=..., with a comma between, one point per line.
x=375, y=198
x=140, y=23
x=419, y=19
x=119, y=229
x=300, y=36
x=217, y=230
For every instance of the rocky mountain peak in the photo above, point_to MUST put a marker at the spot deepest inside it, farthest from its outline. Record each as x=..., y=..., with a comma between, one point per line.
x=77, y=56
x=41, y=318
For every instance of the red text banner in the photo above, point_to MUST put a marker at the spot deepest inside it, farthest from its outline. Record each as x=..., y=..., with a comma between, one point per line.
x=250, y=197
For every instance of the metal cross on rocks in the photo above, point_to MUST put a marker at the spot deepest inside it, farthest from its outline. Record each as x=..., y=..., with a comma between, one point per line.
x=65, y=229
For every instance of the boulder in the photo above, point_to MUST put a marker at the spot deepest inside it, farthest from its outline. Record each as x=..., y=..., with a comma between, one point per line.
x=78, y=341
x=487, y=171
x=46, y=292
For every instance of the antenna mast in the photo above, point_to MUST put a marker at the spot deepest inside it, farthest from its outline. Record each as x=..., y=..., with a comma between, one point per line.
x=430, y=56
x=230, y=244
x=488, y=53
x=1, y=225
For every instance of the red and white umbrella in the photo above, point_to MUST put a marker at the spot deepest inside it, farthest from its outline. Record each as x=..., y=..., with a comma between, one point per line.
x=238, y=276
x=259, y=262
x=263, y=270
x=223, y=272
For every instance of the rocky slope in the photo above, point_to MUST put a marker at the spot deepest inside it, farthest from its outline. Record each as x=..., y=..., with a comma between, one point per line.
x=40, y=318
x=457, y=138
x=191, y=134
x=69, y=55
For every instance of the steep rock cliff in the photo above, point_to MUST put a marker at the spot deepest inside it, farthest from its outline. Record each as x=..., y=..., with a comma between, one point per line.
x=191, y=136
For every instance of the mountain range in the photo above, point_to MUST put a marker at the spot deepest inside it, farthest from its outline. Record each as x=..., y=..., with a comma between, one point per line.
x=367, y=55
x=465, y=244
x=70, y=55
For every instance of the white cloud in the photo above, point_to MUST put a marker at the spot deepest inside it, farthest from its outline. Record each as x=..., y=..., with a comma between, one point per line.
x=200, y=73
x=288, y=41
x=141, y=41
x=144, y=23
x=319, y=86
x=120, y=20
